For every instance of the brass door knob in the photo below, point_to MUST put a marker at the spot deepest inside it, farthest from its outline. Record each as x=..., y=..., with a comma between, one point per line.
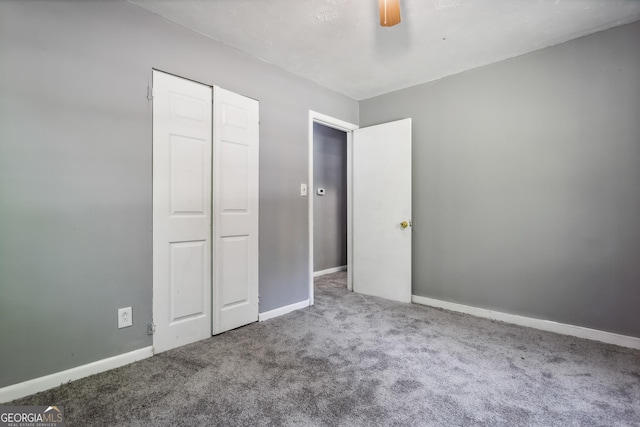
x=405, y=224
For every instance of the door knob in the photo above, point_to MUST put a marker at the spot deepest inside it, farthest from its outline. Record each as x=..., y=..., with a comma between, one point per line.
x=405, y=224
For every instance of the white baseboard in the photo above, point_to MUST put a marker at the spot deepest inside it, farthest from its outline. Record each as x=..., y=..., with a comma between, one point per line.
x=545, y=325
x=282, y=310
x=329, y=271
x=36, y=385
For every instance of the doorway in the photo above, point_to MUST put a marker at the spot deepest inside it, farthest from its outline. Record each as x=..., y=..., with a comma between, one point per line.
x=379, y=172
x=346, y=128
x=330, y=200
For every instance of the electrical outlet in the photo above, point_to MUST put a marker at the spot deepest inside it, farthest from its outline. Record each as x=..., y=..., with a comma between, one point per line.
x=125, y=317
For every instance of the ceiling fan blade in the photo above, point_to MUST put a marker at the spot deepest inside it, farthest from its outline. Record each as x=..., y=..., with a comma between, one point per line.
x=389, y=12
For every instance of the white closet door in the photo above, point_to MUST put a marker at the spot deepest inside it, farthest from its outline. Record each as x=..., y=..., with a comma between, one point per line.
x=235, y=253
x=181, y=211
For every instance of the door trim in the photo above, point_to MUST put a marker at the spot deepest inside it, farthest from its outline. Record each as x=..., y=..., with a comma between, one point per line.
x=348, y=128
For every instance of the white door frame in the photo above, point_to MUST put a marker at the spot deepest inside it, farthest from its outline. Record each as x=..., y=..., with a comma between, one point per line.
x=348, y=128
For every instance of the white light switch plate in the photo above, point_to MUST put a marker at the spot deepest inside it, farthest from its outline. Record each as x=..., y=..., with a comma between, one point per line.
x=125, y=317
x=303, y=189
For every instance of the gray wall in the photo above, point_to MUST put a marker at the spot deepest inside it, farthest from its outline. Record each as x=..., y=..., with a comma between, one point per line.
x=330, y=210
x=75, y=174
x=526, y=187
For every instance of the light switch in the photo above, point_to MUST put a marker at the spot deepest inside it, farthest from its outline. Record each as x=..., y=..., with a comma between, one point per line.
x=303, y=189
x=320, y=191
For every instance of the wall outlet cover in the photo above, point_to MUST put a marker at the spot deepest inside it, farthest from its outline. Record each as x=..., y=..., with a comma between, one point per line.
x=125, y=317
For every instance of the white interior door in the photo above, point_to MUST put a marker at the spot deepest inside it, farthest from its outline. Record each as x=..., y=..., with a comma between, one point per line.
x=181, y=211
x=381, y=204
x=235, y=250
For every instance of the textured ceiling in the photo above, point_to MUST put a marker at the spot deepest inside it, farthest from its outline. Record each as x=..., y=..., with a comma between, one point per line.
x=339, y=44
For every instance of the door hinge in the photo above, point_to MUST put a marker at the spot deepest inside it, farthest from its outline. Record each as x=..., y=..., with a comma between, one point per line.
x=151, y=328
x=150, y=93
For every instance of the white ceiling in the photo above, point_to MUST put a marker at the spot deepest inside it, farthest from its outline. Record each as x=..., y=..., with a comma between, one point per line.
x=340, y=45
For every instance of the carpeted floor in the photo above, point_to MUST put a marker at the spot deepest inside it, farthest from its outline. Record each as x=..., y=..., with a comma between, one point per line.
x=353, y=360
